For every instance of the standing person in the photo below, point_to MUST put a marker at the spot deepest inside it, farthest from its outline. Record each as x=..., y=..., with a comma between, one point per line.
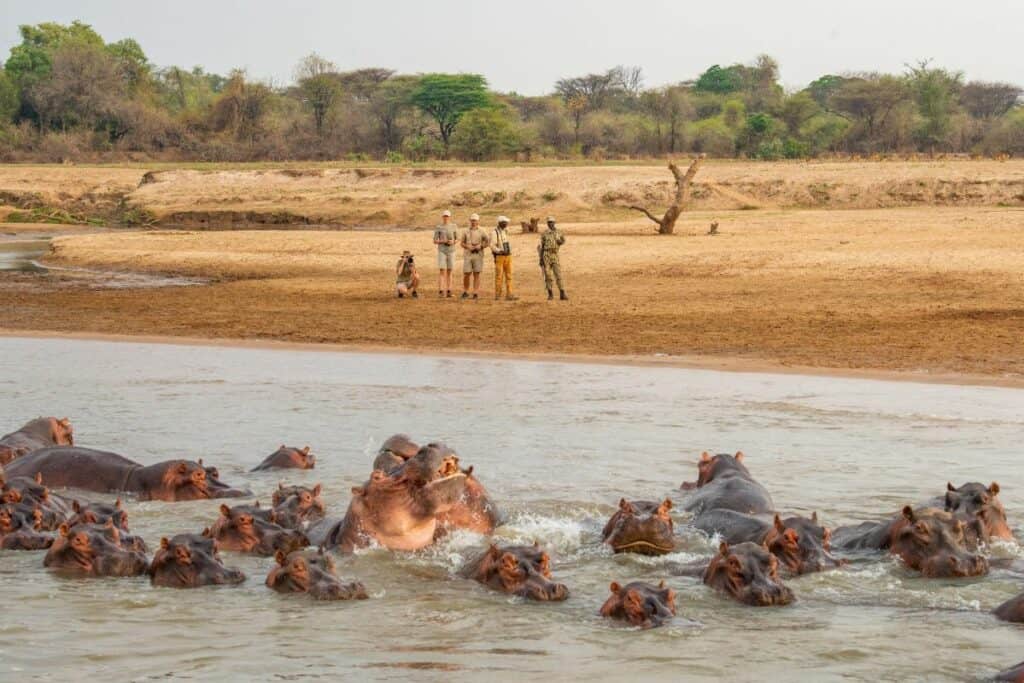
x=550, y=241
x=474, y=241
x=445, y=237
x=501, y=247
x=407, y=280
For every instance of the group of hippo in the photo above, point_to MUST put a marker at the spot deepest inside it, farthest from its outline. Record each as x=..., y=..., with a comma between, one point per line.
x=415, y=495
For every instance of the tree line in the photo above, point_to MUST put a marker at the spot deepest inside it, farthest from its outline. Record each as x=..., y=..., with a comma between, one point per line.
x=66, y=94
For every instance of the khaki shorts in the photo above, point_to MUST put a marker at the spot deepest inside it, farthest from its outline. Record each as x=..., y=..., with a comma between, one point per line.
x=473, y=263
x=446, y=261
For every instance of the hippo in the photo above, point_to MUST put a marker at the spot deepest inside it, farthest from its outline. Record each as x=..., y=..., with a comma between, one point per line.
x=99, y=513
x=399, y=510
x=474, y=510
x=238, y=529
x=93, y=550
x=724, y=483
x=1014, y=674
x=394, y=452
x=191, y=561
x=288, y=458
x=55, y=509
x=974, y=500
x=85, y=468
x=296, y=507
x=641, y=526
x=312, y=572
x=1012, y=610
x=749, y=573
x=641, y=604
x=932, y=542
x=800, y=543
x=20, y=528
x=521, y=570
x=36, y=434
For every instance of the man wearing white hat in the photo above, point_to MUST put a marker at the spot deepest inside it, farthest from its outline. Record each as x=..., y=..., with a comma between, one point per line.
x=501, y=247
x=445, y=237
x=474, y=241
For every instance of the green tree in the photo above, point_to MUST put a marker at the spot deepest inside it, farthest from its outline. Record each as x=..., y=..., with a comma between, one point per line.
x=132, y=62
x=30, y=60
x=10, y=100
x=319, y=86
x=720, y=81
x=485, y=134
x=447, y=97
x=388, y=102
x=935, y=91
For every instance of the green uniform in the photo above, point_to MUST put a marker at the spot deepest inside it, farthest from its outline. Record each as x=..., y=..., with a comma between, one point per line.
x=550, y=241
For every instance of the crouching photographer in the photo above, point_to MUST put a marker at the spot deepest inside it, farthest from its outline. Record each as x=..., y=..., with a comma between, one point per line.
x=407, y=279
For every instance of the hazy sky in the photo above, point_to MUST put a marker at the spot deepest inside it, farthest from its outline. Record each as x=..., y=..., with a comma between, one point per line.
x=526, y=45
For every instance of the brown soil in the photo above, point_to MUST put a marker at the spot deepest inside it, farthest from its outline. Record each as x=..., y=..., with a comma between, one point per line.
x=923, y=289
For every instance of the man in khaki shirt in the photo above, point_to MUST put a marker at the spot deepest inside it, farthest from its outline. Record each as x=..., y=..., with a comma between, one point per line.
x=474, y=241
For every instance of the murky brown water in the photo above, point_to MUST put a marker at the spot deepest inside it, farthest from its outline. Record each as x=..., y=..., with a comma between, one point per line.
x=557, y=444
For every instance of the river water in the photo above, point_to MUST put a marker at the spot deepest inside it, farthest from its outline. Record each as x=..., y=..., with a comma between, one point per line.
x=557, y=445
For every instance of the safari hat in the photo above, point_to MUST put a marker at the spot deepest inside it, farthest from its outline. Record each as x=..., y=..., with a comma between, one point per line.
x=549, y=219
x=447, y=213
x=474, y=217
x=503, y=219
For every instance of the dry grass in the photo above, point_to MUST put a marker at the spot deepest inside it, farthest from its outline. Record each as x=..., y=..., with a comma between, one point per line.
x=938, y=289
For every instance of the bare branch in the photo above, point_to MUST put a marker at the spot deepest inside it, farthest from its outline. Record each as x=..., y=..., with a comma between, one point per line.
x=647, y=213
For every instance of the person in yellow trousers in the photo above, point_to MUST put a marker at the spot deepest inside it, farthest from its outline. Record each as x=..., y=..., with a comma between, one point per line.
x=501, y=247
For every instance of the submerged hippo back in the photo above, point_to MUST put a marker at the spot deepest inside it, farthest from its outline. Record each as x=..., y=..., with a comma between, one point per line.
x=732, y=492
x=73, y=467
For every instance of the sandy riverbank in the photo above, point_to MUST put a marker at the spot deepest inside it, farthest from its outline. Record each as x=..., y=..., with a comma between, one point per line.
x=932, y=292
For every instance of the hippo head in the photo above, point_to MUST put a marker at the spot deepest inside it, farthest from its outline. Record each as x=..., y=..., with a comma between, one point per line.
x=99, y=513
x=185, y=480
x=312, y=572
x=641, y=527
x=1012, y=610
x=24, y=489
x=190, y=561
x=394, y=452
x=94, y=550
x=977, y=500
x=240, y=530
x=709, y=467
x=519, y=570
x=749, y=573
x=303, y=502
x=641, y=604
x=435, y=477
x=287, y=457
x=801, y=544
x=15, y=517
x=932, y=542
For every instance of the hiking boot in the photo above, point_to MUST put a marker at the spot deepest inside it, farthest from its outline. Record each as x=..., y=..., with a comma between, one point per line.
x=561, y=295
x=550, y=295
x=497, y=296
x=401, y=296
x=465, y=295
x=440, y=294
x=511, y=298
x=416, y=295
x=449, y=295
x=476, y=296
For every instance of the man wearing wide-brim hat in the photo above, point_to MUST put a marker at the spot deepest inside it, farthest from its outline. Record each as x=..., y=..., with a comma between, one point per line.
x=474, y=241
x=501, y=247
x=551, y=241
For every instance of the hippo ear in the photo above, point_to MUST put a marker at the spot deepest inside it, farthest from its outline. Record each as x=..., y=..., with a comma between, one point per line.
x=615, y=587
x=814, y=516
x=280, y=557
x=723, y=548
x=164, y=543
x=207, y=533
x=76, y=506
x=118, y=505
x=908, y=513
x=661, y=584
x=305, y=450
x=63, y=529
x=950, y=501
x=469, y=470
x=705, y=457
x=317, y=490
x=739, y=456
x=257, y=505
x=225, y=510
x=777, y=522
x=665, y=506
x=994, y=489
x=358, y=490
x=199, y=462
x=281, y=447
x=494, y=551
x=536, y=543
x=64, y=422
x=280, y=486
x=39, y=478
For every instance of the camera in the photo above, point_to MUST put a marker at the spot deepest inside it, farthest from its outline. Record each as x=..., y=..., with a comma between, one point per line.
x=409, y=259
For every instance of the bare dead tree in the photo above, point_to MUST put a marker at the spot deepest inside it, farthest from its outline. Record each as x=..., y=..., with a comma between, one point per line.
x=667, y=223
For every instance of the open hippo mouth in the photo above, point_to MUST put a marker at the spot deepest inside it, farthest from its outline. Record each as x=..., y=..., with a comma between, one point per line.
x=642, y=547
x=448, y=470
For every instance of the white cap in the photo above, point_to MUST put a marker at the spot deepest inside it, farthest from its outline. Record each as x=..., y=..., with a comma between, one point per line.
x=503, y=219
x=474, y=217
x=447, y=213
x=551, y=219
